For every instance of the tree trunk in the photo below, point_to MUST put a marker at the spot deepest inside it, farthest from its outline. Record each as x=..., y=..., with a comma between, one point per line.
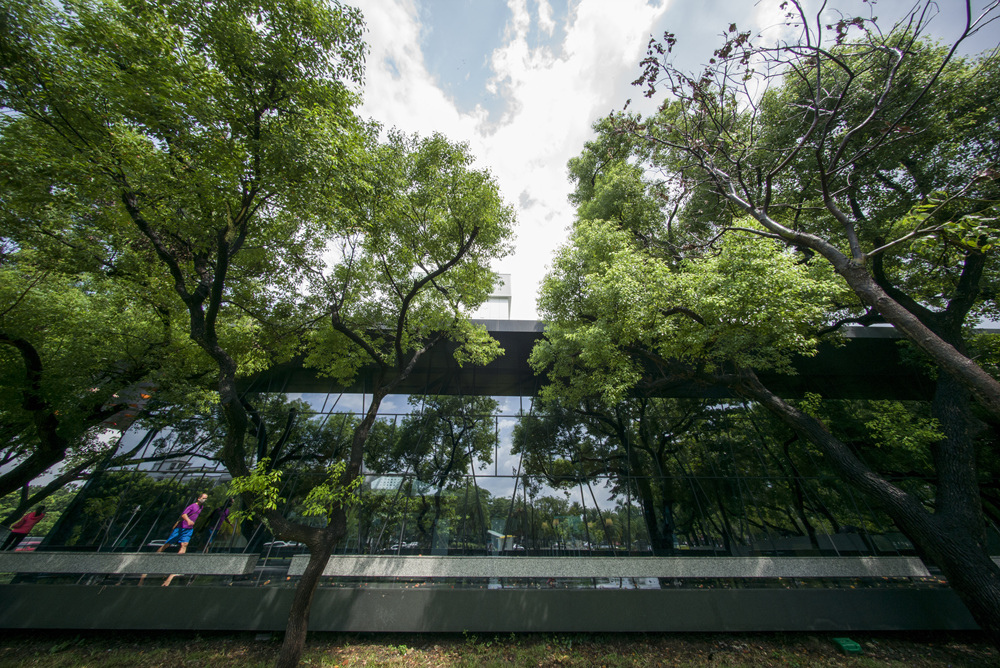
x=966, y=564
x=321, y=547
x=298, y=614
x=983, y=386
x=952, y=538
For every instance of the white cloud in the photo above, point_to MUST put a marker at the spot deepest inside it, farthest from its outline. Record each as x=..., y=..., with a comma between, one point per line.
x=520, y=18
x=545, y=21
x=772, y=22
x=399, y=90
x=552, y=94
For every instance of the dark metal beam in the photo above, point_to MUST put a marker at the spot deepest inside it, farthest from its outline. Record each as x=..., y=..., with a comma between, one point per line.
x=869, y=364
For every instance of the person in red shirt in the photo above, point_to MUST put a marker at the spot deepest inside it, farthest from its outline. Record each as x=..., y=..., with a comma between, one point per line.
x=22, y=527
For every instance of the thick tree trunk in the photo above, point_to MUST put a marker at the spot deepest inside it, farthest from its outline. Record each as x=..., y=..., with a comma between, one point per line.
x=41, y=460
x=966, y=564
x=952, y=538
x=298, y=614
x=983, y=386
x=957, y=544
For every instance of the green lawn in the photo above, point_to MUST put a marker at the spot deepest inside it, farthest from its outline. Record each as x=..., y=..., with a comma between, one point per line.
x=247, y=650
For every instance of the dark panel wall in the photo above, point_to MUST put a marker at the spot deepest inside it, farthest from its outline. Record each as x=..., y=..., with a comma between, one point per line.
x=867, y=366
x=486, y=611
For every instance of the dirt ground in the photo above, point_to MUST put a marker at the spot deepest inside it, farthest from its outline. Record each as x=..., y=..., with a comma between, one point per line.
x=247, y=650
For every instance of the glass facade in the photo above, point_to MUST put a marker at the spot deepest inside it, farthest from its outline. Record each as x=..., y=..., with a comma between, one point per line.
x=481, y=476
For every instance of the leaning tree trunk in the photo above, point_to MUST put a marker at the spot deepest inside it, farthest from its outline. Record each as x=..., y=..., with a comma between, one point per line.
x=966, y=564
x=949, y=359
x=298, y=614
x=952, y=537
x=984, y=387
x=321, y=547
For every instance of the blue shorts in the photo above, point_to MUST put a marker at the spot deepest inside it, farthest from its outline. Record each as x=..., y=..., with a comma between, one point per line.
x=182, y=536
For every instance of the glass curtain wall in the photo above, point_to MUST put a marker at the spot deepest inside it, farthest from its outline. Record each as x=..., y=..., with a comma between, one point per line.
x=476, y=475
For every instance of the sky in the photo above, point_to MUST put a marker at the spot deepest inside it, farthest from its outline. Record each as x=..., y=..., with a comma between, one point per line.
x=523, y=81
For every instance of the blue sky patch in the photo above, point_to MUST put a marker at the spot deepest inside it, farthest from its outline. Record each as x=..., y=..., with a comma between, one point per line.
x=457, y=40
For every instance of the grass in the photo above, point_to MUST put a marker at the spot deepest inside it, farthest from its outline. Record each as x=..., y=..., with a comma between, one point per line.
x=249, y=650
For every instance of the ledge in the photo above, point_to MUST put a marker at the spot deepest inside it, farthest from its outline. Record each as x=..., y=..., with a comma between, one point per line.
x=616, y=567
x=127, y=563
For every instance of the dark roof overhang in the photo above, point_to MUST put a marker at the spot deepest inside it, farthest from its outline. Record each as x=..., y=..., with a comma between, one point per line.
x=868, y=364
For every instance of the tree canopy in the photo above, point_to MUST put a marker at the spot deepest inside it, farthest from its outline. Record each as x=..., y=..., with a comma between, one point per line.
x=847, y=175
x=614, y=308
x=208, y=154
x=874, y=150
x=170, y=147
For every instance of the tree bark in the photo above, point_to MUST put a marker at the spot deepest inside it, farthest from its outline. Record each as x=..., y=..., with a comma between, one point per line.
x=298, y=614
x=982, y=385
x=952, y=538
x=966, y=564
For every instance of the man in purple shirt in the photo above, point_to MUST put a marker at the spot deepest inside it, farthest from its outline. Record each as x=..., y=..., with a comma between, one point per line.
x=185, y=526
x=182, y=531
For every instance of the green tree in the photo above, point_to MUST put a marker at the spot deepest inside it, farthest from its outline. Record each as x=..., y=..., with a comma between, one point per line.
x=122, y=143
x=213, y=132
x=401, y=285
x=438, y=444
x=219, y=135
x=223, y=137
x=78, y=353
x=867, y=154
x=635, y=441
